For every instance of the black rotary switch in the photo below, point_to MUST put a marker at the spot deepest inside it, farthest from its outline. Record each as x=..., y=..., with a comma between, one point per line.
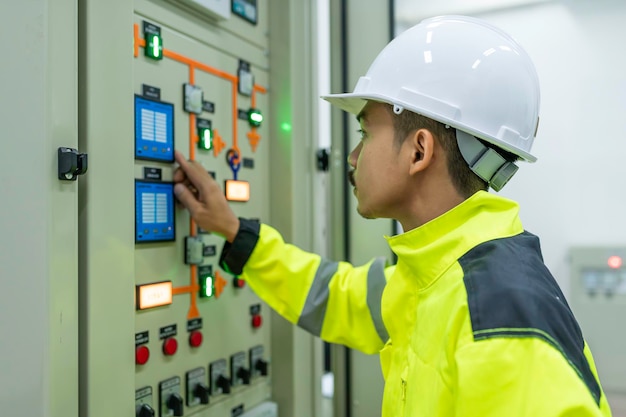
x=261, y=366
x=144, y=410
x=201, y=391
x=244, y=375
x=223, y=383
x=175, y=403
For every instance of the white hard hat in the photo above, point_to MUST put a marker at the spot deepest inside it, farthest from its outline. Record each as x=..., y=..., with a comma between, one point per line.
x=462, y=72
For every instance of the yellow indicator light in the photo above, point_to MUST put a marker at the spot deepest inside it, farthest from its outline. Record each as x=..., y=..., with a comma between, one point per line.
x=154, y=295
x=237, y=190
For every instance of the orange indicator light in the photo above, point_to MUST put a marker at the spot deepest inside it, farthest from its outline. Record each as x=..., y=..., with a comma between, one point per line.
x=154, y=295
x=237, y=190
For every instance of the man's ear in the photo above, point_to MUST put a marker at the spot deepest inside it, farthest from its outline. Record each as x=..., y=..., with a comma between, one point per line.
x=421, y=145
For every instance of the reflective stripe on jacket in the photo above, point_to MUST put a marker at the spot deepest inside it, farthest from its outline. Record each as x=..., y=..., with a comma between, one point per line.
x=474, y=323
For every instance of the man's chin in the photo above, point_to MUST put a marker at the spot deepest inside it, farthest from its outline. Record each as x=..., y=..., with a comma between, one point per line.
x=365, y=214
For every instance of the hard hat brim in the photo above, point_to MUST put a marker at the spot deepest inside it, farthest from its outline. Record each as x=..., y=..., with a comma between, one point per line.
x=349, y=102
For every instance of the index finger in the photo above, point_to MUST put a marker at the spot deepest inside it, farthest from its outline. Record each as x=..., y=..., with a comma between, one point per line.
x=191, y=170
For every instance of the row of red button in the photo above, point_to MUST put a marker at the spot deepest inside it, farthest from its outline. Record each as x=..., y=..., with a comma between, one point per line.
x=170, y=345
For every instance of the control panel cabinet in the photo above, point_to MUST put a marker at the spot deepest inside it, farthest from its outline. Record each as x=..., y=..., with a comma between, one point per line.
x=200, y=88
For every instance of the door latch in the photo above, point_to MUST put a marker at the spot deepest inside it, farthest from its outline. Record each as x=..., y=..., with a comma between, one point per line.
x=71, y=164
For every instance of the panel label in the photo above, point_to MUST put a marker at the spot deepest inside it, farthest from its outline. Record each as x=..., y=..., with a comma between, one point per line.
x=151, y=173
x=242, y=114
x=150, y=28
x=167, y=331
x=170, y=383
x=237, y=411
x=205, y=270
x=209, y=250
x=194, y=324
x=203, y=123
x=143, y=392
x=248, y=163
x=255, y=309
x=208, y=106
x=142, y=338
x=151, y=92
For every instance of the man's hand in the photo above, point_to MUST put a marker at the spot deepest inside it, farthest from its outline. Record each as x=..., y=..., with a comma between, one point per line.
x=204, y=199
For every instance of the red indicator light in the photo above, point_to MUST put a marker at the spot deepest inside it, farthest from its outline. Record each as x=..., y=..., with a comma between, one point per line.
x=142, y=354
x=195, y=339
x=614, y=261
x=170, y=346
x=256, y=321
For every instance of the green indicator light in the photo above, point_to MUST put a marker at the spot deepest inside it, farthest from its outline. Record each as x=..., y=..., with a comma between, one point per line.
x=286, y=127
x=154, y=46
x=206, y=286
x=205, y=139
x=255, y=118
x=156, y=43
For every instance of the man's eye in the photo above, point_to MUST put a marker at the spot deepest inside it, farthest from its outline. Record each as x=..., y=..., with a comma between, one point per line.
x=362, y=133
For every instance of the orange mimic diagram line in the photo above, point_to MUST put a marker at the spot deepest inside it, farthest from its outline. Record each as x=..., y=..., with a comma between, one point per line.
x=218, y=145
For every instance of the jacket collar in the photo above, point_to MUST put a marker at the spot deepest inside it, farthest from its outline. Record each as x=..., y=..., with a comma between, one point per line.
x=426, y=252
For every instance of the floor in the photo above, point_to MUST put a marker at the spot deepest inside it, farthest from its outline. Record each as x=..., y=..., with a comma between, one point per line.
x=617, y=403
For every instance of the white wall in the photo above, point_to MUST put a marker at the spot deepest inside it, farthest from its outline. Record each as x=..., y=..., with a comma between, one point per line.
x=574, y=193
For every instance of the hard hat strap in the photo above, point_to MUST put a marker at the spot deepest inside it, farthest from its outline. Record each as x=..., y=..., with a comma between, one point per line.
x=484, y=161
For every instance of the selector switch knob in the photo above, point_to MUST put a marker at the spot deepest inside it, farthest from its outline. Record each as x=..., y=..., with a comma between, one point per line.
x=175, y=403
x=201, y=391
x=261, y=366
x=244, y=375
x=223, y=383
x=144, y=410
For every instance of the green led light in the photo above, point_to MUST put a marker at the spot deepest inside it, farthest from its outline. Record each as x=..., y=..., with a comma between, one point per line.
x=206, y=286
x=255, y=118
x=205, y=137
x=154, y=46
x=286, y=127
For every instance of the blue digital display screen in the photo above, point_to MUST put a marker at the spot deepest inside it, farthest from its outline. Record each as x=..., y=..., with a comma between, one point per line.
x=154, y=130
x=246, y=9
x=154, y=211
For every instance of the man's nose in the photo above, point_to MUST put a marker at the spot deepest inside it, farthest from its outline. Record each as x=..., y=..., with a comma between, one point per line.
x=354, y=155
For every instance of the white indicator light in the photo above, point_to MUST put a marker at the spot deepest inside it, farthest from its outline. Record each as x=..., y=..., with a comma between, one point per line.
x=614, y=262
x=237, y=190
x=154, y=295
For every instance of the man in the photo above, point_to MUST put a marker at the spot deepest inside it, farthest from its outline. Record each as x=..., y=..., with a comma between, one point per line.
x=469, y=322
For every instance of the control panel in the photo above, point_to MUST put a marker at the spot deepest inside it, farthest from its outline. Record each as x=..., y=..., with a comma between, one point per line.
x=598, y=298
x=200, y=88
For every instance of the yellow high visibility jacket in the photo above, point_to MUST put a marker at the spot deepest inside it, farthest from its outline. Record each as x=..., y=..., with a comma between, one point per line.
x=469, y=322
